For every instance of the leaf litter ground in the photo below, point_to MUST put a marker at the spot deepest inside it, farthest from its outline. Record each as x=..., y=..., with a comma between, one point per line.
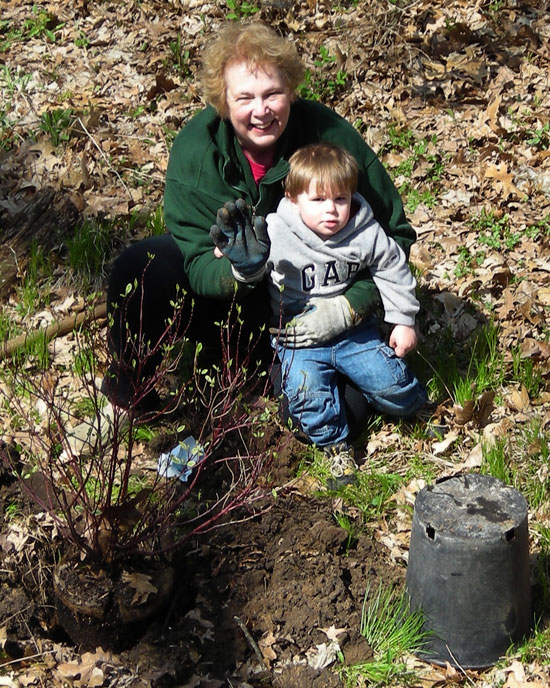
x=475, y=75
x=269, y=601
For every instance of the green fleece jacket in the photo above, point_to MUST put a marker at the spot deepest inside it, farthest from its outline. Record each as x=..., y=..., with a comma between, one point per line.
x=207, y=168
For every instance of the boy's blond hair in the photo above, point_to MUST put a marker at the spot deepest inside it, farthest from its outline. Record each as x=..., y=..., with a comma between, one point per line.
x=332, y=167
x=255, y=45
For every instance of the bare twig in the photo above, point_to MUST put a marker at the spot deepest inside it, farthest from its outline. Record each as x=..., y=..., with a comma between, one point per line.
x=253, y=644
x=26, y=658
x=461, y=669
x=96, y=144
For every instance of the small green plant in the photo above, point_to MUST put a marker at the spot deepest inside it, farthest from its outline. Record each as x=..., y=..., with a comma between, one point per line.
x=346, y=4
x=541, y=601
x=485, y=370
x=462, y=373
x=541, y=228
x=371, y=494
x=144, y=433
x=537, y=441
x=141, y=176
x=240, y=9
x=495, y=232
x=7, y=125
x=415, y=197
x=84, y=361
x=33, y=352
x=467, y=261
x=496, y=461
x=89, y=249
x=11, y=83
x=526, y=373
x=321, y=86
x=391, y=629
x=12, y=510
x=169, y=135
x=536, y=648
x=360, y=125
x=8, y=327
x=540, y=138
x=82, y=41
x=344, y=521
x=57, y=124
x=88, y=405
x=419, y=151
x=421, y=467
x=440, y=365
x=492, y=9
x=180, y=56
x=487, y=365
x=532, y=456
x=40, y=24
x=313, y=462
x=399, y=139
x=137, y=112
x=155, y=222
x=520, y=460
x=32, y=292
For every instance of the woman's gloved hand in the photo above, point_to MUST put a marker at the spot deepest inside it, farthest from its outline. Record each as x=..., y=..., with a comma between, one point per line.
x=242, y=239
x=322, y=320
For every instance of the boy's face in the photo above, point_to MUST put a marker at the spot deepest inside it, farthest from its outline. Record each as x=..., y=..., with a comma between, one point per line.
x=324, y=211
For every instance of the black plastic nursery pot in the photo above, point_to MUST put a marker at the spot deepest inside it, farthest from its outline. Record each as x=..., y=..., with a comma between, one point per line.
x=468, y=569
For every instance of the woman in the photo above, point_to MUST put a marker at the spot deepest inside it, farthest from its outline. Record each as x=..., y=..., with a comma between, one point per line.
x=238, y=147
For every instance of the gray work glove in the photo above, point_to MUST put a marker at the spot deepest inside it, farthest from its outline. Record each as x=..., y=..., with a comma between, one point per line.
x=322, y=320
x=242, y=239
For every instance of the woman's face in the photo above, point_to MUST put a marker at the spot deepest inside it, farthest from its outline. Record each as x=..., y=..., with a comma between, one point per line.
x=258, y=102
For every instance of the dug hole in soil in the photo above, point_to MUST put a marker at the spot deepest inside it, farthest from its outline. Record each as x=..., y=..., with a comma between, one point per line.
x=261, y=602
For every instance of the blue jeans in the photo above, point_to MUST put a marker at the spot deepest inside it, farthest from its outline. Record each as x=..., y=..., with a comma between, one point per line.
x=310, y=382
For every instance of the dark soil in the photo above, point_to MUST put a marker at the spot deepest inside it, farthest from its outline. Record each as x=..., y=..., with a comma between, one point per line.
x=285, y=576
x=255, y=603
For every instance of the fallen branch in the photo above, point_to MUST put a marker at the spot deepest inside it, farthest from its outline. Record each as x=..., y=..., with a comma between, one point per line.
x=56, y=329
x=253, y=644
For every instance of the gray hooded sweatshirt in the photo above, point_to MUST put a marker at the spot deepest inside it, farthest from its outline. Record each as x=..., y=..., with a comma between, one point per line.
x=302, y=265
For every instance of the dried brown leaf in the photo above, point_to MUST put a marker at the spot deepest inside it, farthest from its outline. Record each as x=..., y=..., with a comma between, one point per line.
x=484, y=408
x=332, y=632
x=443, y=447
x=544, y=296
x=492, y=113
x=463, y=413
x=504, y=180
x=141, y=583
x=518, y=399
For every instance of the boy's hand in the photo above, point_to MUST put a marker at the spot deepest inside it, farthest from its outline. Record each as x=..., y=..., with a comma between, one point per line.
x=322, y=320
x=403, y=339
x=243, y=240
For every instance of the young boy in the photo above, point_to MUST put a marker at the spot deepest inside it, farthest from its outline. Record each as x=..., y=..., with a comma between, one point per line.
x=322, y=235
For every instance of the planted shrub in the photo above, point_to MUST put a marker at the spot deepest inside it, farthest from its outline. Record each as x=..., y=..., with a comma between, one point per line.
x=103, y=502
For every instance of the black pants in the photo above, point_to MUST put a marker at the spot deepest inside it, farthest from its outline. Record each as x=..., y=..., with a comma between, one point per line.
x=154, y=269
x=146, y=280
